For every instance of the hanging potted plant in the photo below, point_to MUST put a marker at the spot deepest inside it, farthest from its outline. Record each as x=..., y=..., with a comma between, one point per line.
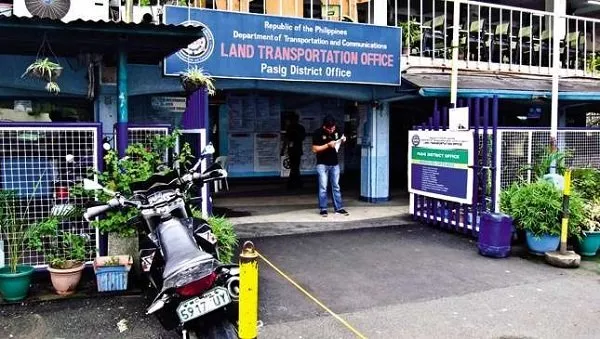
x=65, y=251
x=44, y=69
x=195, y=78
x=537, y=209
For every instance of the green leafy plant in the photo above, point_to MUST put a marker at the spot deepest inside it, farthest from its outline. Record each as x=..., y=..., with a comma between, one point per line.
x=63, y=249
x=44, y=69
x=17, y=230
x=411, y=32
x=537, y=207
x=593, y=64
x=591, y=221
x=547, y=159
x=586, y=181
x=139, y=164
x=195, y=78
x=223, y=230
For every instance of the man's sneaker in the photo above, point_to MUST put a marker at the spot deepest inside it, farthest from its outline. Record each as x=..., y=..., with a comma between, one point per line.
x=323, y=213
x=342, y=211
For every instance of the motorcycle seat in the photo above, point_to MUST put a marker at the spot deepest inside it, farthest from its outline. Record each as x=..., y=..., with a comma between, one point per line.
x=179, y=248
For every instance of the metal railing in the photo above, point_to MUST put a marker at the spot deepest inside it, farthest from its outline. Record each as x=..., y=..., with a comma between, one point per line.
x=338, y=10
x=496, y=37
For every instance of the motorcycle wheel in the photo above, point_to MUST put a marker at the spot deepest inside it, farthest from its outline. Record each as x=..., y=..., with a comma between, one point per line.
x=221, y=330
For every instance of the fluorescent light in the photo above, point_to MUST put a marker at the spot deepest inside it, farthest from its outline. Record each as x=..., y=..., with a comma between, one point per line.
x=593, y=2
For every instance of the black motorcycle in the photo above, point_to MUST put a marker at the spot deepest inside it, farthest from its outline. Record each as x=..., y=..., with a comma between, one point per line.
x=193, y=292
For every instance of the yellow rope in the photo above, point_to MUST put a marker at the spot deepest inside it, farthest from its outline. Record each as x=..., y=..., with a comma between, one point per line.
x=344, y=322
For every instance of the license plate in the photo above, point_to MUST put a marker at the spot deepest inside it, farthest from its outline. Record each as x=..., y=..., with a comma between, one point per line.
x=197, y=307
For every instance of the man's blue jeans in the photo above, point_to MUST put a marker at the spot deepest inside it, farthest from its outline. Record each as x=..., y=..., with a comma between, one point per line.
x=331, y=174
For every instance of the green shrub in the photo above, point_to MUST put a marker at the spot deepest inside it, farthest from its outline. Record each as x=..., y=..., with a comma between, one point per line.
x=223, y=230
x=586, y=181
x=537, y=208
x=140, y=163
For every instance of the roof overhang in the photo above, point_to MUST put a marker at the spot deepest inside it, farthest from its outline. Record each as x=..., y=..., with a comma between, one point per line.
x=144, y=43
x=505, y=86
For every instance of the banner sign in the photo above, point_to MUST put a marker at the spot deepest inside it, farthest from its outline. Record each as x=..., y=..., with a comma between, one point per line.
x=253, y=46
x=439, y=165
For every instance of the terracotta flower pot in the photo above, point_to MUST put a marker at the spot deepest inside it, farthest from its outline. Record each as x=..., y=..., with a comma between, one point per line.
x=65, y=280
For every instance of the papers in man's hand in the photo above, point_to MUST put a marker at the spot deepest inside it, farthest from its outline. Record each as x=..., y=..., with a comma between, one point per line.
x=338, y=143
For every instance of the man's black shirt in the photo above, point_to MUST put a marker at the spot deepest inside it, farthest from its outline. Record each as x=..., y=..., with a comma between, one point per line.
x=321, y=137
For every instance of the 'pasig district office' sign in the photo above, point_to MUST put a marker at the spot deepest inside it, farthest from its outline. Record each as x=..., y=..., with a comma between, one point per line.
x=439, y=165
x=252, y=46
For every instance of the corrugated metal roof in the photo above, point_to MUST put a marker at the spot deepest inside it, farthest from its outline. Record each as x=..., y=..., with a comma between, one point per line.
x=145, y=43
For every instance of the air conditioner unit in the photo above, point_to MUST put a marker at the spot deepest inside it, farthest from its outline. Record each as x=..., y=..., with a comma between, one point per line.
x=65, y=10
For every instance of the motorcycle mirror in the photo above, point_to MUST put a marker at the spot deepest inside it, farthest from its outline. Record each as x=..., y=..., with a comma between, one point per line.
x=209, y=149
x=90, y=185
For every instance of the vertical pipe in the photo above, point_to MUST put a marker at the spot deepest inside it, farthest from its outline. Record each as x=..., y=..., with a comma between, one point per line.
x=555, y=79
x=495, y=183
x=248, y=302
x=128, y=11
x=123, y=94
x=455, y=42
x=420, y=25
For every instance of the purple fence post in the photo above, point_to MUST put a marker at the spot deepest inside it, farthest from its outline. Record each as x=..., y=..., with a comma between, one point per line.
x=195, y=117
x=494, y=150
x=476, y=197
x=476, y=166
x=422, y=198
x=485, y=169
x=445, y=206
x=436, y=202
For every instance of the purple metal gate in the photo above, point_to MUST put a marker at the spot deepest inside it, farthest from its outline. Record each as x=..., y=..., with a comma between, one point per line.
x=464, y=218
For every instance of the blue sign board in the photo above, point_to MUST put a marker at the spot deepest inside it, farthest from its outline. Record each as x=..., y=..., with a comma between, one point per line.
x=253, y=46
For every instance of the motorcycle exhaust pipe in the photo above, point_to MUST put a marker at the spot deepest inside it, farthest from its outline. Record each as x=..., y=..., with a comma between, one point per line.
x=233, y=288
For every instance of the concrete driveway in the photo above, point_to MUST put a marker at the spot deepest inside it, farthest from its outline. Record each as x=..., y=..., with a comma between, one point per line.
x=395, y=282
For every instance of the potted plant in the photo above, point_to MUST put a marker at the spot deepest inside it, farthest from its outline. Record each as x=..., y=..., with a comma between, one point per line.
x=195, y=78
x=141, y=162
x=46, y=70
x=589, y=243
x=537, y=209
x=65, y=251
x=111, y=272
x=411, y=33
x=14, y=278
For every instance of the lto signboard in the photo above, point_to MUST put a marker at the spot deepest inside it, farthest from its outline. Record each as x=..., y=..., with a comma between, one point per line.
x=440, y=165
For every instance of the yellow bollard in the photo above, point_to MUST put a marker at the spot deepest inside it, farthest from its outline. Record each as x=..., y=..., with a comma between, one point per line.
x=565, y=218
x=248, y=304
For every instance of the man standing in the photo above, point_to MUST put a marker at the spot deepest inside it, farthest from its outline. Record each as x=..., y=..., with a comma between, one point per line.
x=294, y=136
x=326, y=142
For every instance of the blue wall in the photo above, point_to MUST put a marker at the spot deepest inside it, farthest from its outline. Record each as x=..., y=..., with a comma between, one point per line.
x=72, y=82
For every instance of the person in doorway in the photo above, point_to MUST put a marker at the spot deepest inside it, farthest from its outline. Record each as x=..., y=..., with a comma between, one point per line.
x=294, y=136
x=326, y=142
